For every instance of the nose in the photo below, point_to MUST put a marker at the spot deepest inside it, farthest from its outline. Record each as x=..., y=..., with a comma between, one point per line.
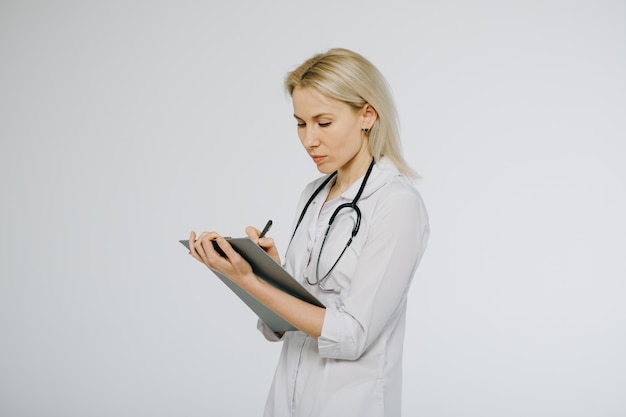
x=309, y=137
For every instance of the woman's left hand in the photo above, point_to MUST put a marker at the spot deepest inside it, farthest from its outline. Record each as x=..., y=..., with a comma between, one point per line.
x=234, y=266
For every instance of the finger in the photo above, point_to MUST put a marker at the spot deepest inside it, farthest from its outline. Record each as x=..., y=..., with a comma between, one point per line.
x=228, y=250
x=206, y=249
x=266, y=242
x=192, y=243
x=197, y=250
x=269, y=246
x=253, y=233
x=209, y=235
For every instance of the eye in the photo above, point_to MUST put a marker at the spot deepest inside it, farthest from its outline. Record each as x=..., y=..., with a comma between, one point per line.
x=302, y=124
x=324, y=124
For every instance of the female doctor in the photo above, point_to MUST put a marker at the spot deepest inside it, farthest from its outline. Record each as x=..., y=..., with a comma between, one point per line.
x=360, y=232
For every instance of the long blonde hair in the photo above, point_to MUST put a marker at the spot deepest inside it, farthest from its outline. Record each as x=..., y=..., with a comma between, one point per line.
x=346, y=76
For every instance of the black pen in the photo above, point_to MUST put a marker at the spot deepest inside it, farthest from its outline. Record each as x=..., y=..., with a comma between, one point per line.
x=266, y=229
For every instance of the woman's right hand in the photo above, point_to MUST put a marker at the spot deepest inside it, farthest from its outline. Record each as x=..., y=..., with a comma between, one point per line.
x=266, y=243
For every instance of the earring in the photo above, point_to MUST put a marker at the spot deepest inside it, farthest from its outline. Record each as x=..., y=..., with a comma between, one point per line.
x=366, y=130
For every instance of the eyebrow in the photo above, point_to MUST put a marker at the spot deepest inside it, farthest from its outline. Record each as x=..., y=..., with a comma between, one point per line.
x=317, y=116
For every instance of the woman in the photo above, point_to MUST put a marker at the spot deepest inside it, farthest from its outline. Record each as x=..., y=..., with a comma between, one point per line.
x=360, y=234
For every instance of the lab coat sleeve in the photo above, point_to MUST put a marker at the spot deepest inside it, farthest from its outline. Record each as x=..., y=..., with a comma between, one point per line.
x=395, y=243
x=268, y=333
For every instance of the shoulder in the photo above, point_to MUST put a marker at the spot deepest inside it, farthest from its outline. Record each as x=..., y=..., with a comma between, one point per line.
x=400, y=195
x=400, y=203
x=395, y=188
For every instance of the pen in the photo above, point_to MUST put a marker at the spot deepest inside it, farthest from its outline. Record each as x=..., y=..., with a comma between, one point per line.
x=265, y=229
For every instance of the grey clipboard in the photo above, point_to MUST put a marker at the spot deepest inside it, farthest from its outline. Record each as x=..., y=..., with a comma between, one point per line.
x=266, y=268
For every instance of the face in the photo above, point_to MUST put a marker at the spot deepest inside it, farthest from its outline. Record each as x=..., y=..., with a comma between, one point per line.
x=331, y=131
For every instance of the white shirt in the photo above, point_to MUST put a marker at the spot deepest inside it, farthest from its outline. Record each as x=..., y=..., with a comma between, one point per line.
x=355, y=367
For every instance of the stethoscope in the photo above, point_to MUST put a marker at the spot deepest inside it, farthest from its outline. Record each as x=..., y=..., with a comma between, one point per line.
x=351, y=205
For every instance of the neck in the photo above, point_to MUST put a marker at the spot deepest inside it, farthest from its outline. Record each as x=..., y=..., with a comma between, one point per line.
x=350, y=173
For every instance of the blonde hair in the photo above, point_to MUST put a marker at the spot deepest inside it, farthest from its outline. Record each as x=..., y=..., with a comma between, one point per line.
x=346, y=76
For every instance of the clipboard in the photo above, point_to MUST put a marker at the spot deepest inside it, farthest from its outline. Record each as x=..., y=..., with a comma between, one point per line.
x=267, y=269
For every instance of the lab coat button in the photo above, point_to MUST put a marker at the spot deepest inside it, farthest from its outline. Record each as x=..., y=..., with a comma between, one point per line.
x=309, y=245
x=305, y=275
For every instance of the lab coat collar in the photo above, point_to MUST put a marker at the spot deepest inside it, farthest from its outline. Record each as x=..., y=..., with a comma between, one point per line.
x=382, y=172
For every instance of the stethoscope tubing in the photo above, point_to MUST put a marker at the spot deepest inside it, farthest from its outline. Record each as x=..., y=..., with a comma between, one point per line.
x=352, y=205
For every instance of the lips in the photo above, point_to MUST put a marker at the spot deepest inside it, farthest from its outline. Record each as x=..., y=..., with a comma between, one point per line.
x=318, y=158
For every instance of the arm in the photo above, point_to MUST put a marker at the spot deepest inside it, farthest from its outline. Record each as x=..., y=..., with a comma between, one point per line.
x=304, y=316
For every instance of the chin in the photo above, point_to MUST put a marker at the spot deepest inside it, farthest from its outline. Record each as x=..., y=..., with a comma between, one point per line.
x=326, y=168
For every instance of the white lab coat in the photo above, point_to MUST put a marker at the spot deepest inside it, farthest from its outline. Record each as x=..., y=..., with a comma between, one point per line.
x=355, y=366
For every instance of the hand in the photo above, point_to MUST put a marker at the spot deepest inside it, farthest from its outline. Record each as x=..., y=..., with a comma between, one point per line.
x=234, y=267
x=266, y=243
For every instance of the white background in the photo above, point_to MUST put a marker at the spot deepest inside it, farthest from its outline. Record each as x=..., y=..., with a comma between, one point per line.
x=126, y=124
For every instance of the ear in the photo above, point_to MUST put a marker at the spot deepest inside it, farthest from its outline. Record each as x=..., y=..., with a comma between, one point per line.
x=369, y=116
